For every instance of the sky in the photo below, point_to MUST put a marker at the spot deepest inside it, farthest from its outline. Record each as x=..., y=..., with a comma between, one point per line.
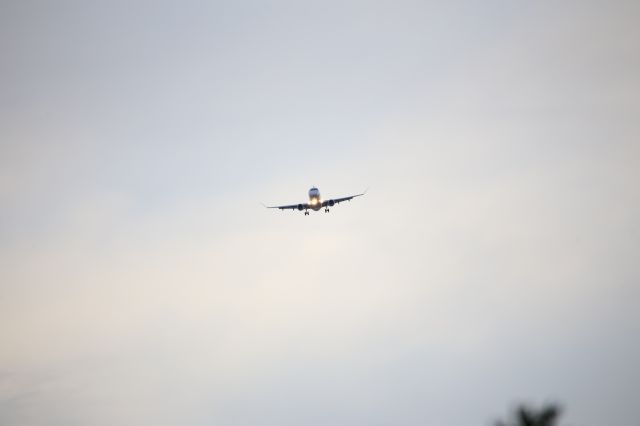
x=495, y=259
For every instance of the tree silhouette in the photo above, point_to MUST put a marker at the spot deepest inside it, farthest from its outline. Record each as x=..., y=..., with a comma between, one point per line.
x=527, y=416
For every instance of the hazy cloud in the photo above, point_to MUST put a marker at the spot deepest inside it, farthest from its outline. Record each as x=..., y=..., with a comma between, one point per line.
x=494, y=259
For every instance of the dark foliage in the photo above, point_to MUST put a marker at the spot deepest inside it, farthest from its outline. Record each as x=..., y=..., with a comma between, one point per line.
x=526, y=416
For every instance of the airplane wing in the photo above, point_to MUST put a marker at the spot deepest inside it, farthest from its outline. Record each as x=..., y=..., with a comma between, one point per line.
x=339, y=200
x=291, y=206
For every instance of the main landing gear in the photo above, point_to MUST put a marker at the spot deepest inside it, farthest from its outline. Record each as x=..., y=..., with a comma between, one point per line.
x=306, y=213
x=326, y=210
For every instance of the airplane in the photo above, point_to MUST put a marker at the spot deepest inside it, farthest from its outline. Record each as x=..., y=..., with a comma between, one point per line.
x=315, y=202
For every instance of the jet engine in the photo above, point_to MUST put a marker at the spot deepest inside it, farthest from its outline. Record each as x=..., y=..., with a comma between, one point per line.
x=331, y=203
x=300, y=207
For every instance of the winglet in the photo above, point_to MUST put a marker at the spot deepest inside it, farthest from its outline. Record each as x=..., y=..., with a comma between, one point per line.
x=363, y=193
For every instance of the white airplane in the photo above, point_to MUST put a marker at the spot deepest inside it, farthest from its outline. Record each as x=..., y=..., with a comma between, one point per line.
x=315, y=202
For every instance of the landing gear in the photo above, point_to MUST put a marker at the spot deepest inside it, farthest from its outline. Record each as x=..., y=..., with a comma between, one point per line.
x=326, y=210
x=306, y=213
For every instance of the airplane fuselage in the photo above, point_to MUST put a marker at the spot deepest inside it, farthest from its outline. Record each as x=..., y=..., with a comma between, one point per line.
x=315, y=202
